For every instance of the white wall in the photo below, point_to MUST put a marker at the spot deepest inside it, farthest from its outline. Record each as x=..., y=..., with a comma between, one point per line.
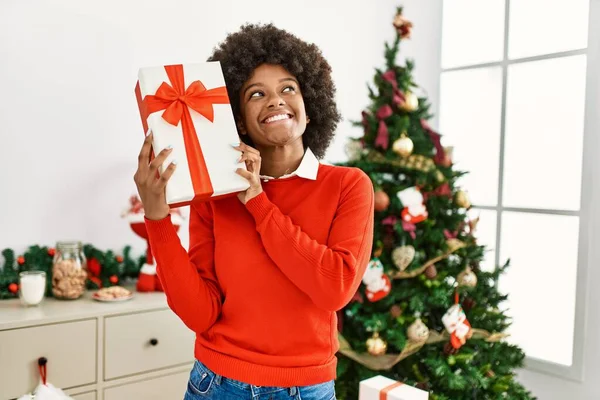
x=69, y=126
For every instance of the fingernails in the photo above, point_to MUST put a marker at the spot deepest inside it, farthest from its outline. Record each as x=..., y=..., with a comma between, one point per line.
x=174, y=162
x=169, y=147
x=236, y=144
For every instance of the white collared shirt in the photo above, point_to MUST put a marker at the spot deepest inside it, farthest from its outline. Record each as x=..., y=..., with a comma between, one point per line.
x=308, y=168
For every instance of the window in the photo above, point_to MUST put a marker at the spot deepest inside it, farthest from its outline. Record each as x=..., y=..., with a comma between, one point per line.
x=513, y=105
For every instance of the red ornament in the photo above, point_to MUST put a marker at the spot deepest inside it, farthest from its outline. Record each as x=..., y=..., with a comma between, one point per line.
x=382, y=200
x=468, y=304
x=94, y=267
x=51, y=252
x=114, y=279
x=449, y=350
x=119, y=259
x=13, y=288
x=21, y=260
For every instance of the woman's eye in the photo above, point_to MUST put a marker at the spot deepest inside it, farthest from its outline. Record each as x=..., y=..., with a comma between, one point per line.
x=256, y=94
x=289, y=88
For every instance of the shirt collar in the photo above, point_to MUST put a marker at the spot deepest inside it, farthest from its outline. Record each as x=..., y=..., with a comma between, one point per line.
x=308, y=168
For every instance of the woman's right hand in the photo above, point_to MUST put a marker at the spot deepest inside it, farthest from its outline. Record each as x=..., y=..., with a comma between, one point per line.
x=151, y=185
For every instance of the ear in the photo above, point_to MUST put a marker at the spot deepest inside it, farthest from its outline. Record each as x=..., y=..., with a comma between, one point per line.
x=307, y=120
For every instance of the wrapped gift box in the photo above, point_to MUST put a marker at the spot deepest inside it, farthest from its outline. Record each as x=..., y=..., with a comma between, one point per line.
x=382, y=388
x=187, y=107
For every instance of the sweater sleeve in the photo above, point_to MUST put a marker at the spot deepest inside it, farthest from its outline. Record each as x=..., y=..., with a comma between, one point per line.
x=189, y=279
x=329, y=273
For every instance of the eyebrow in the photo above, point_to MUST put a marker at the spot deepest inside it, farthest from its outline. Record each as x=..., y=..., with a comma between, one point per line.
x=281, y=80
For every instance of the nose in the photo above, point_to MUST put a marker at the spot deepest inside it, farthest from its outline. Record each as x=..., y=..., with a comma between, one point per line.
x=275, y=101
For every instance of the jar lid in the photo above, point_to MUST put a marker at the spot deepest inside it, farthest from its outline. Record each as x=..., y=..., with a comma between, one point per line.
x=69, y=245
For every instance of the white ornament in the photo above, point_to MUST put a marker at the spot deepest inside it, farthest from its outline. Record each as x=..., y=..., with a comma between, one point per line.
x=403, y=256
x=414, y=210
x=378, y=284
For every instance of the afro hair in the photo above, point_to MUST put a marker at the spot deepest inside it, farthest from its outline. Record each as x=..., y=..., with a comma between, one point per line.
x=253, y=45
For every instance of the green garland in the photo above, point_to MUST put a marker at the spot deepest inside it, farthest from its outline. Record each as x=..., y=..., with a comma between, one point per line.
x=105, y=268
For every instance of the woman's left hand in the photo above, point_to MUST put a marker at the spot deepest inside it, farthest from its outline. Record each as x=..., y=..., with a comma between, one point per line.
x=251, y=157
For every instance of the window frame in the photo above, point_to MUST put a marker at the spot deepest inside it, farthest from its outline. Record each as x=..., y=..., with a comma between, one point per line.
x=590, y=164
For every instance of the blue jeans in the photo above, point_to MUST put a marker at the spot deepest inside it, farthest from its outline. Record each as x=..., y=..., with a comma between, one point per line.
x=205, y=384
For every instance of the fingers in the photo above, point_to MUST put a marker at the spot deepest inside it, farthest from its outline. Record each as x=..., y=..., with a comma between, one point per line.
x=166, y=175
x=144, y=156
x=247, y=149
x=159, y=160
x=249, y=157
x=245, y=174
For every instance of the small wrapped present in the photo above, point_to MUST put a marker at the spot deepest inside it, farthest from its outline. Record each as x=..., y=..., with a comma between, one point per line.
x=187, y=107
x=382, y=388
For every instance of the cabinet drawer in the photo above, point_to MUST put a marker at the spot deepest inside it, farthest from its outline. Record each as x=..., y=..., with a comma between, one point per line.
x=85, y=396
x=146, y=341
x=69, y=347
x=165, y=387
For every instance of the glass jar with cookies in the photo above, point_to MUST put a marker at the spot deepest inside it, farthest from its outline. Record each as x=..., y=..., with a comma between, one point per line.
x=69, y=271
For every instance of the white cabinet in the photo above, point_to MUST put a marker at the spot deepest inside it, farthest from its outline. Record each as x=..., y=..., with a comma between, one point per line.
x=96, y=351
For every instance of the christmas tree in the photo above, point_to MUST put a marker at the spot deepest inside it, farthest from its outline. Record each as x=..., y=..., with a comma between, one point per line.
x=426, y=314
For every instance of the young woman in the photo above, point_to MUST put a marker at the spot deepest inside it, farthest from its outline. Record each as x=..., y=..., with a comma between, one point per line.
x=267, y=270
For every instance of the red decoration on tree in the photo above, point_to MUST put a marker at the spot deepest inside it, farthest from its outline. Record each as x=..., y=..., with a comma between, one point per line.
x=51, y=251
x=449, y=349
x=383, y=136
x=382, y=200
x=410, y=228
x=21, y=260
x=13, y=288
x=468, y=304
x=119, y=259
x=440, y=154
x=457, y=325
x=114, y=279
x=377, y=282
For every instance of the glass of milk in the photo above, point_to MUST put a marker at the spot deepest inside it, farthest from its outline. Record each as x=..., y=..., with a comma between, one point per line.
x=32, y=286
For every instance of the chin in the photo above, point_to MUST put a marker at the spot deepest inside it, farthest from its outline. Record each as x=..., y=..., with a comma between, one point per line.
x=282, y=139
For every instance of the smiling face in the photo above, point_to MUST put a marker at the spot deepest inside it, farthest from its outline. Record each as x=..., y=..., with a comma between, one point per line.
x=272, y=107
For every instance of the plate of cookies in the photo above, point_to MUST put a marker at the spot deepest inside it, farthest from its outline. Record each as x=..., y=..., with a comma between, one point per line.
x=112, y=294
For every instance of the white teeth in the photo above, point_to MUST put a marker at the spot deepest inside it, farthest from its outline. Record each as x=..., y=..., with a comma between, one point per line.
x=277, y=118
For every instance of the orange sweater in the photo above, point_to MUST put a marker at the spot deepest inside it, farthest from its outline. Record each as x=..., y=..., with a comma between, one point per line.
x=261, y=283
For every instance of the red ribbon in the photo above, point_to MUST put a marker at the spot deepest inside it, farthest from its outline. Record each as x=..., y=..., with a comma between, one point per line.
x=177, y=100
x=383, y=395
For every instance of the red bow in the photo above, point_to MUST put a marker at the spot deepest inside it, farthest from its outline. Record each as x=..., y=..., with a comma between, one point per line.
x=196, y=97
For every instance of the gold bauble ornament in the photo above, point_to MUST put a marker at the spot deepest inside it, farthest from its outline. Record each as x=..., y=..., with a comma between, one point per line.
x=403, y=256
x=418, y=331
x=411, y=102
x=376, y=346
x=403, y=146
x=439, y=176
x=462, y=199
x=467, y=278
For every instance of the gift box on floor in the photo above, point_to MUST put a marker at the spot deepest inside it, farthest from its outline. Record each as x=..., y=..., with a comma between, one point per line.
x=382, y=388
x=187, y=107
